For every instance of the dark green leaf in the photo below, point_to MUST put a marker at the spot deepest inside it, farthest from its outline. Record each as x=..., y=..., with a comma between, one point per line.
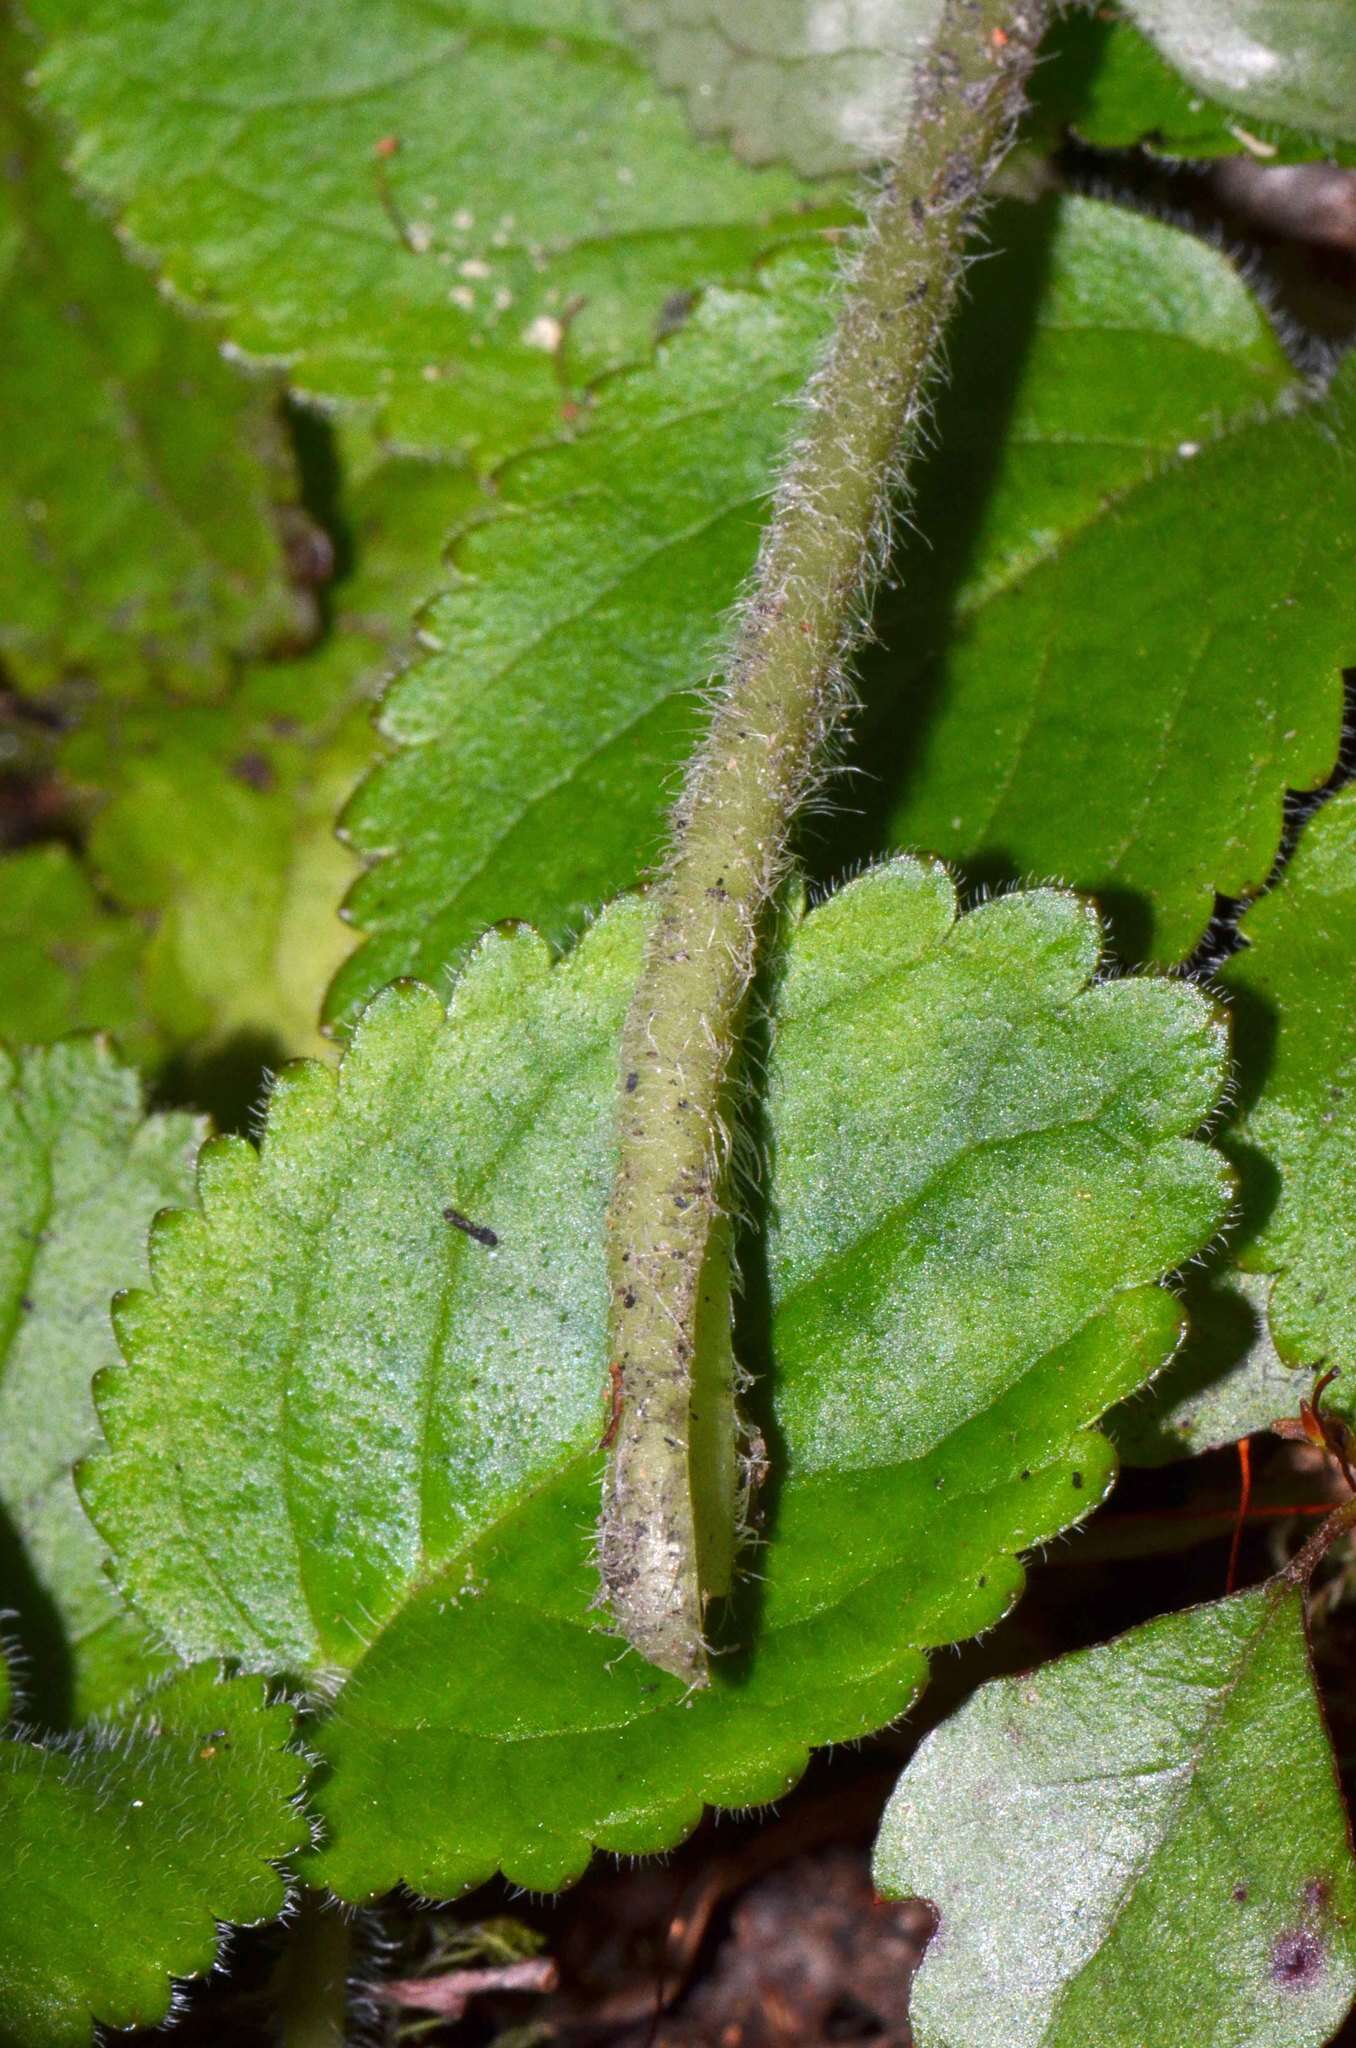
x=138, y=473
x=541, y=732
x=1117, y=683
x=68, y=960
x=1293, y=990
x=1116, y=90
x=1226, y=1382
x=1140, y=1846
x=84, y=1174
x=1289, y=61
x=383, y=1433
x=125, y=1848
x=457, y=213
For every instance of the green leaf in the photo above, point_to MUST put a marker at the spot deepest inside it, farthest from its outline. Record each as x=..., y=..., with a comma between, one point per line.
x=218, y=820
x=1288, y=61
x=68, y=960
x=139, y=473
x=127, y=1846
x=823, y=89
x=382, y=1433
x=541, y=733
x=1226, y=1382
x=1293, y=992
x=1155, y=1826
x=1117, y=685
x=829, y=90
x=1110, y=84
x=538, y=205
x=84, y=1174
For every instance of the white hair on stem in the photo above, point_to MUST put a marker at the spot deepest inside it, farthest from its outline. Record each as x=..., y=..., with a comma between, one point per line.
x=785, y=695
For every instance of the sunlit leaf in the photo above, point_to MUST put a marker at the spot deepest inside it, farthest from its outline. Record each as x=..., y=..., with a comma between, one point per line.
x=1138, y=1846
x=458, y=213
x=383, y=1432
x=1120, y=696
x=541, y=730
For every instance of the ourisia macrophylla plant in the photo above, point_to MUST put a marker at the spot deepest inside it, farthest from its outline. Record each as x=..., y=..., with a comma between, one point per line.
x=826, y=1213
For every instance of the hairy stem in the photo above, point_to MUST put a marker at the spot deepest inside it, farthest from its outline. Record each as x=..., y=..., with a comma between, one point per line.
x=785, y=692
x=1341, y=1522
x=311, y=1988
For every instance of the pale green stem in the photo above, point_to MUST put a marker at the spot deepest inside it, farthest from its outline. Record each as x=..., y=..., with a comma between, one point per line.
x=311, y=1988
x=784, y=694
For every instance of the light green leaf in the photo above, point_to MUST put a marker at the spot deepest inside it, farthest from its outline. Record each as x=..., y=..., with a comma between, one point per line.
x=383, y=1433
x=125, y=1848
x=138, y=473
x=1290, y=61
x=1293, y=992
x=538, y=204
x=69, y=961
x=1138, y=1846
x=218, y=824
x=824, y=89
x=541, y=733
x=84, y=1174
x=1117, y=685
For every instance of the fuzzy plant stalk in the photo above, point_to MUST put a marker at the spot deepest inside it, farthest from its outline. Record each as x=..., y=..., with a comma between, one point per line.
x=786, y=690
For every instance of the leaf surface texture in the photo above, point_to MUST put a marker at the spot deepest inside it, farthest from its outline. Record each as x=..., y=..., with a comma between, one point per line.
x=140, y=474
x=1293, y=990
x=84, y=1174
x=1156, y=1824
x=382, y=1467
x=458, y=214
x=125, y=1848
x=825, y=89
x=540, y=735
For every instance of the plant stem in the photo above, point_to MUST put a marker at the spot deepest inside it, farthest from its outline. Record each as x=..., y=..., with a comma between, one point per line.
x=1303, y=1564
x=311, y=1989
x=785, y=692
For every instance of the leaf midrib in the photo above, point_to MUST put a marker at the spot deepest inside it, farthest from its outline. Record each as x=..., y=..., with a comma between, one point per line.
x=1172, y=1808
